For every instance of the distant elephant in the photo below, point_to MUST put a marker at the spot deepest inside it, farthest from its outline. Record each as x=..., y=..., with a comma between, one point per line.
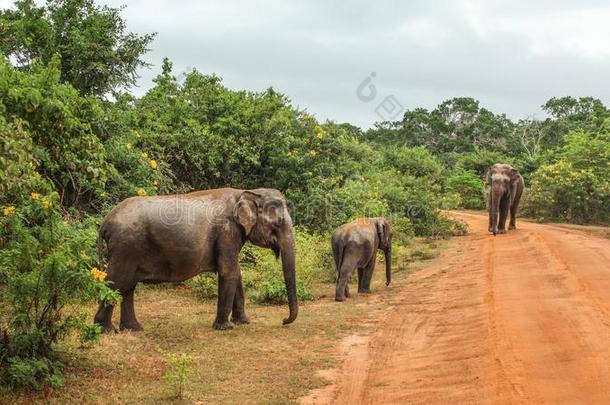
x=504, y=195
x=355, y=246
x=175, y=237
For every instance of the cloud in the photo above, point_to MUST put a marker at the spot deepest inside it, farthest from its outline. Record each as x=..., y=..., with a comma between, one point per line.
x=511, y=55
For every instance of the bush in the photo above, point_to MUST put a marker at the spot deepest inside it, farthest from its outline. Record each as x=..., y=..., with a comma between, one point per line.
x=480, y=160
x=263, y=275
x=470, y=188
x=61, y=125
x=271, y=289
x=205, y=285
x=576, y=187
x=561, y=192
x=47, y=273
x=178, y=368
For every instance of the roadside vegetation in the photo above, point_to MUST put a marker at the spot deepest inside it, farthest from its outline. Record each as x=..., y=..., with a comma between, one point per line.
x=74, y=141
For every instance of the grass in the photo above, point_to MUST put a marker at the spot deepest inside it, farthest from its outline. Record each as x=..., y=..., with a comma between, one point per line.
x=263, y=362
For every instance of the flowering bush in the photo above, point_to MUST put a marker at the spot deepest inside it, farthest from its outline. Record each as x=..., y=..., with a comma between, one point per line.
x=46, y=273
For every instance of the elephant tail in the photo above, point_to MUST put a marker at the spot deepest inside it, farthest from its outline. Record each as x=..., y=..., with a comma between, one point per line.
x=338, y=255
x=101, y=247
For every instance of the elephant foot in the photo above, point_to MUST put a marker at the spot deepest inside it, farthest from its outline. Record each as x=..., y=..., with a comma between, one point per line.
x=501, y=231
x=339, y=298
x=108, y=328
x=512, y=227
x=490, y=229
x=222, y=325
x=240, y=320
x=364, y=291
x=131, y=326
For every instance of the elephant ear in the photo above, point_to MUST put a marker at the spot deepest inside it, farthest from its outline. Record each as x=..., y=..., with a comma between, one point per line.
x=246, y=211
x=514, y=176
x=382, y=229
x=486, y=176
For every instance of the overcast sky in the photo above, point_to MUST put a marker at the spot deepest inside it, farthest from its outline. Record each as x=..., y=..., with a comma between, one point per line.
x=510, y=55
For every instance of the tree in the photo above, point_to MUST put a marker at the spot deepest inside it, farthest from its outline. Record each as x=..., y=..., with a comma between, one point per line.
x=97, y=54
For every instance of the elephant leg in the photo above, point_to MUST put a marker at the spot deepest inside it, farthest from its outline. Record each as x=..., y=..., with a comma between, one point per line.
x=513, y=212
x=341, y=284
x=348, y=265
x=367, y=277
x=360, y=277
x=227, y=286
x=128, y=313
x=491, y=225
x=350, y=261
x=512, y=223
x=503, y=214
x=229, y=276
x=238, y=315
x=103, y=317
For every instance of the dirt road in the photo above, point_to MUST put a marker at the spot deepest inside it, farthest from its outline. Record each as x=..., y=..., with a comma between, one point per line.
x=518, y=318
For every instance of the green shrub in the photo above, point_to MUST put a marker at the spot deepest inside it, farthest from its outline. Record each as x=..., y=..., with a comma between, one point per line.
x=469, y=186
x=47, y=273
x=314, y=257
x=576, y=187
x=205, y=285
x=417, y=161
x=178, y=368
x=271, y=289
x=480, y=160
x=61, y=125
x=561, y=192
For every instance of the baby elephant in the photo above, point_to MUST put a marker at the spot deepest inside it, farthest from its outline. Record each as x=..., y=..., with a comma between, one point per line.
x=355, y=246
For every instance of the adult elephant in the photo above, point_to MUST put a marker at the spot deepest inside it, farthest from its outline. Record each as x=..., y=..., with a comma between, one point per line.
x=175, y=237
x=355, y=245
x=506, y=187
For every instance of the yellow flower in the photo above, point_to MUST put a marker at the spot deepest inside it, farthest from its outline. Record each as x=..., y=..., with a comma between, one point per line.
x=155, y=182
x=319, y=132
x=31, y=164
x=289, y=154
x=97, y=274
x=312, y=153
x=141, y=192
x=35, y=196
x=127, y=146
x=82, y=253
x=46, y=204
x=144, y=155
x=8, y=211
x=153, y=164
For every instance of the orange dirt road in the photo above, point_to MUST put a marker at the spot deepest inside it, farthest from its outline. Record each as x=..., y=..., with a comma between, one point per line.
x=517, y=318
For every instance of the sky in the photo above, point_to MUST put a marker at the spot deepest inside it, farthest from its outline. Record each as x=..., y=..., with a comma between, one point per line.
x=366, y=61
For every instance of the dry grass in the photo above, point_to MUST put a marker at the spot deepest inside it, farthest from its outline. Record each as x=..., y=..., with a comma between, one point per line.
x=263, y=362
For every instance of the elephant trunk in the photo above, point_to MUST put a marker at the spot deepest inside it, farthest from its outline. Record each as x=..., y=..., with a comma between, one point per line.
x=388, y=265
x=288, y=266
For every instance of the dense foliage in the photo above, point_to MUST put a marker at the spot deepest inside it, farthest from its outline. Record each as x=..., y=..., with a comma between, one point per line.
x=68, y=154
x=97, y=54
